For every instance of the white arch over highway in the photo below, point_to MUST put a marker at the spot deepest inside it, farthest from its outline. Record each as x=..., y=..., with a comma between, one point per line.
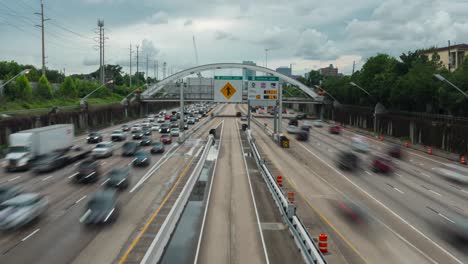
x=216, y=66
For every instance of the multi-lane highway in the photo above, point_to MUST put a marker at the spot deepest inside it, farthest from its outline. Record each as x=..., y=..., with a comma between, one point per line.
x=408, y=211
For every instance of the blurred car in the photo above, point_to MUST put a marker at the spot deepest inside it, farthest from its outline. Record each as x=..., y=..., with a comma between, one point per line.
x=138, y=135
x=8, y=192
x=458, y=230
x=353, y=213
x=302, y=135
x=94, y=137
x=293, y=122
x=129, y=148
x=161, y=120
x=142, y=158
x=191, y=121
x=335, y=129
x=103, y=150
x=147, y=132
x=146, y=141
x=167, y=117
x=164, y=128
x=21, y=210
x=166, y=139
x=453, y=173
x=119, y=178
x=101, y=208
x=186, y=126
x=88, y=171
x=305, y=128
x=125, y=128
x=348, y=161
x=318, y=123
x=157, y=147
x=49, y=162
x=197, y=118
x=359, y=144
x=174, y=132
x=173, y=118
x=301, y=116
x=238, y=114
x=155, y=127
x=118, y=135
x=292, y=129
x=243, y=118
x=395, y=151
x=381, y=163
x=136, y=127
x=174, y=124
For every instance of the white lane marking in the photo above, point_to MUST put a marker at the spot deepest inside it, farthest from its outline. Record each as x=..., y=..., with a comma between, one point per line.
x=73, y=175
x=411, y=160
x=433, y=168
x=329, y=150
x=465, y=191
x=446, y=218
x=253, y=197
x=368, y=173
x=46, y=178
x=104, y=182
x=424, y=174
x=421, y=164
x=399, y=175
x=398, y=190
x=104, y=163
x=391, y=211
x=434, y=192
x=190, y=152
x=81, y=199
x=30, y=235
x=15, y=178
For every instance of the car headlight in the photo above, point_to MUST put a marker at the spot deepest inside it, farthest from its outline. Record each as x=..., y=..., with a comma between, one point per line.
x=22, y=162
x=88, y=138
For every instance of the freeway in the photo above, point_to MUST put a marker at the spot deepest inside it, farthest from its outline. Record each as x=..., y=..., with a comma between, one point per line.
x=409, y=210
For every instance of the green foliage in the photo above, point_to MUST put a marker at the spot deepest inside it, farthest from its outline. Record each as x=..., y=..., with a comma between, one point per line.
x=20, y=89
x=67, y=89
x=44, y=90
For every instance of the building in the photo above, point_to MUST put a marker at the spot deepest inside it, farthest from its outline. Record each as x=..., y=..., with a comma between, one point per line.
x=458, y=54
x=284, y=70
x=329, y=71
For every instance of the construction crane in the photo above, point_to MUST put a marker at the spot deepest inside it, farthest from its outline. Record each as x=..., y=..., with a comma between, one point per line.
x=196, y=56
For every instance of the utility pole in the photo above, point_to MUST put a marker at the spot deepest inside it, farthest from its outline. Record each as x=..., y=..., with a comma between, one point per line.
x=131, y=65
x=146, y=73
x=354, y=66
x=103, y=57
x=43, y=39
x=164, y=70
x=138, y=61
x=157, y=70
x=266, y=58
x=154, y=69
x=100, y=24
x=449, y=64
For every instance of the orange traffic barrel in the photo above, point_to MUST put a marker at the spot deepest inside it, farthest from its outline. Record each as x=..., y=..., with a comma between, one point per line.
x=291, y=197
x=406, y=144
x=429, y=150
x=381, y=138
x=462, y=159
x=279, y=180
x=323, y=243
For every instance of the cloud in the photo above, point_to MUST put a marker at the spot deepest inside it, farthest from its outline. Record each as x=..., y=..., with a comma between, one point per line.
x=160, y=17
x=148, y=48
x=220, y=35
x=188, y=22
x=91, y=61
x=314, y=45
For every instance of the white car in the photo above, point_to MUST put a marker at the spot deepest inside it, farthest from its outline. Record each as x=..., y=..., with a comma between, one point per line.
x=135, y=127
x=190, y=121
x=155, y=127
x=175, y=132
x=103, y=150
x=161, y=120
x=359, y=144
x=118, y=135
x=453, y=173
x=292, y=129
x=243, y=118
x=21, y=210
x=318, y=123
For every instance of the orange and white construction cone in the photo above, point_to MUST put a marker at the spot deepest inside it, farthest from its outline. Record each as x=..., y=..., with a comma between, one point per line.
x=429, y=150
x=323, y=243
x=279, y=180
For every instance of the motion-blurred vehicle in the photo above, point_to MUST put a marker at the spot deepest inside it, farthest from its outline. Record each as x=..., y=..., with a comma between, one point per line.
x=293, y=122
x=191, y=121
x=94, y=137
x=174, y=132
x=138, y=135
x=157, y=147
x=318, y=123
x=453, y=173
x=21, y=210
x=166, y=139
x=50, y=162
x=292, y=129
x=335, y=129
x=8, y=192
x=130, y=148
x=186, y=127
x=147, y=132
x=28, y=145
x=103, y=150
x=146, y=141
x=458, y=230
x=238, y=114
x=173, y=118
x=164, y=128
x=353, y=213
x=155, y=128
x=167, y=117
x=302, y=135
x=347, y=160
x=101, y=208
x=359, y=144
x=125, y=128
x=142, y=158
x=118, y=135
x=161, y=120
x=301, y=116
x=243, y=118
x=136, y=127
x=174, y=124
x=382, y=163
x=306, y=128
x=119, y=178
x=88, y=171
x=395, y=151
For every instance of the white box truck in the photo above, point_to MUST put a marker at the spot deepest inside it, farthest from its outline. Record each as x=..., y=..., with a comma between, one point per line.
x=27, y=145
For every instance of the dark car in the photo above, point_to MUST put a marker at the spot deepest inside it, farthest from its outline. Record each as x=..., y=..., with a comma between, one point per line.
x=186, y=126
x=166, y=139
x=94, y=137
x=157, y=147
x=50, y=162
x=130, y=148
x=395, y=151
x=125, y=128
x=305, y=128
x=138, y=135
x=301, y=116
x=173, y=118
x=88, y=171
x=302, y=135
x=8, y=192
x=102, y=208
x=293, y=122
x=146, y=141
x=382, y=164
x=119, y=178
x=164, y=128
x=347, y=160
x=142, y=158
x=174, y=124
x=147, y=132
x=238, y=114
x=334, y=129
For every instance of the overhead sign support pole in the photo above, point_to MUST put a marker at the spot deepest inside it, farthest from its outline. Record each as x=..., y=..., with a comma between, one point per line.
x=280, y=107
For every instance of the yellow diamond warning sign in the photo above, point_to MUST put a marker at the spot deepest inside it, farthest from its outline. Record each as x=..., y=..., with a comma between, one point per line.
x=228, y=90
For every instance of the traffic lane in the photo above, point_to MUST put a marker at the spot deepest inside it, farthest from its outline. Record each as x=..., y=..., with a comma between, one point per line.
x=232, y=235
x=315, y=183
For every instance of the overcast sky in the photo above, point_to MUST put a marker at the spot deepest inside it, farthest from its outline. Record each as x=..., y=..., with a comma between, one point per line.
x=309, y=34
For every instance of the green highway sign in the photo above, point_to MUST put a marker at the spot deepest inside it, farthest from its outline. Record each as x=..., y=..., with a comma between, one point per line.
x=264, y=78
x=228, y=77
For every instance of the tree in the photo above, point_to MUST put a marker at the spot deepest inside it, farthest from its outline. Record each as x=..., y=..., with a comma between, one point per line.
x=68, y=88
x=44, y=90
x=20, y=89
x=314, y=78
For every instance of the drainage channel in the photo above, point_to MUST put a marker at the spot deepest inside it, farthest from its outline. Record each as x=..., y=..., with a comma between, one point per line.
x=183, y=244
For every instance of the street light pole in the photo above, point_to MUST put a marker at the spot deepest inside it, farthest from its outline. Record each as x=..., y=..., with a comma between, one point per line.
x=182, y=123
x=83, y=100
x=23, y=72
x=375, y=113
x=442, y=78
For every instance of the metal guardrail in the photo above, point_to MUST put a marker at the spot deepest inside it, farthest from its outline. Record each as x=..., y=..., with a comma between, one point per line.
x=158, y=246
x=304, y=241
